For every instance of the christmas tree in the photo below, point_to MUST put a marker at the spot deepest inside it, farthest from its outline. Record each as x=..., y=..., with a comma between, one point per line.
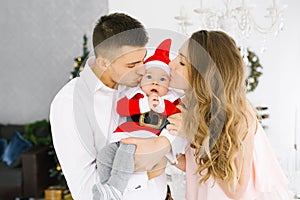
x=79, y=63
x=56, y=171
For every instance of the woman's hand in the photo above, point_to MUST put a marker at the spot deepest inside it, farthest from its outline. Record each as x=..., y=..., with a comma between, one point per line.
x=175, y=126
x=181, y=162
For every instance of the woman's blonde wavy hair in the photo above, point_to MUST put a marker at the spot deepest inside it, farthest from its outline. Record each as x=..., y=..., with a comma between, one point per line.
x=217, y=101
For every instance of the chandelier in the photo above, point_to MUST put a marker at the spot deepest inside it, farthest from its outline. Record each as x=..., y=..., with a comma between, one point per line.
x=236, y=18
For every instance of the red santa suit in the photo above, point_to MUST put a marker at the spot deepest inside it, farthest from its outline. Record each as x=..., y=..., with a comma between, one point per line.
x=136, y=103
x=131, y=107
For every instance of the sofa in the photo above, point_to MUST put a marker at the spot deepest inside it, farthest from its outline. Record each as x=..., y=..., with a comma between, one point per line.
x=29, y=175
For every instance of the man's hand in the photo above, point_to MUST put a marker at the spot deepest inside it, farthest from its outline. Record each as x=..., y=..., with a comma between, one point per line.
x=158, y=169
x=149, y=152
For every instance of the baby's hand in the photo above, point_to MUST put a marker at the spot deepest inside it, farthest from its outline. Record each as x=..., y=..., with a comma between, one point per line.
x=153, y=100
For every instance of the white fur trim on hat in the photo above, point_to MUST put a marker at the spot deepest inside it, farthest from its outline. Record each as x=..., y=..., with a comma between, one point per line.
x=159, y=64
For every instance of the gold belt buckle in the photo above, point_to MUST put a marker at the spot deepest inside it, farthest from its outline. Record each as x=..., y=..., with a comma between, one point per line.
x=156, y=126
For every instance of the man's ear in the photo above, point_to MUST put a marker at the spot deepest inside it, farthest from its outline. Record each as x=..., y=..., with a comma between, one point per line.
x=102, y=62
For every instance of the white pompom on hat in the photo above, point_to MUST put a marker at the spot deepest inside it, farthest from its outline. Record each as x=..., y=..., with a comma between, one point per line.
x=160, y=58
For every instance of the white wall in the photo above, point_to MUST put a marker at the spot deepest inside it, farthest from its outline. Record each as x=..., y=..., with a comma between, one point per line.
x=38, y=42
x=279, y=85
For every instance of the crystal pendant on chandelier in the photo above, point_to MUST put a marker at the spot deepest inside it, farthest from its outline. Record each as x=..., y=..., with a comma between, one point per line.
x=237, y=19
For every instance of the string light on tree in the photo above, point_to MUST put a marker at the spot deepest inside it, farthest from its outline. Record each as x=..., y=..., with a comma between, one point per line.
x=56, y=170
x=79, y=62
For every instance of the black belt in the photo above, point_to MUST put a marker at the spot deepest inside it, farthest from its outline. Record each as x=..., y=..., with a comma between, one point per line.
x=150, y=119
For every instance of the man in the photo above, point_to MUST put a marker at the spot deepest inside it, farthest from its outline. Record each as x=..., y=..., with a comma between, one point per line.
x=82, y=113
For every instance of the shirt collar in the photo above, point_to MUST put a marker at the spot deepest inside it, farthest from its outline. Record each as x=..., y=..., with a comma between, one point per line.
x=93, y=82
x=131, y=91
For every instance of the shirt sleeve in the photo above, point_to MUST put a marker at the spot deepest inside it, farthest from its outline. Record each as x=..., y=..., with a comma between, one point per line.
x=78, y=164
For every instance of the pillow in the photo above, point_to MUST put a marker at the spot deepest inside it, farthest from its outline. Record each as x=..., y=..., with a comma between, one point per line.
x=3, y=144
x=16, y=146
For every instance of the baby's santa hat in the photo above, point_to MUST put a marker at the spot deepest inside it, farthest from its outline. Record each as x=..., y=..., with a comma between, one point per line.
x=160, y=58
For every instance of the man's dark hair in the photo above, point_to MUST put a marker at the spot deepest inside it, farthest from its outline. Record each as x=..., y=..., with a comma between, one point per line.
x=126, y=30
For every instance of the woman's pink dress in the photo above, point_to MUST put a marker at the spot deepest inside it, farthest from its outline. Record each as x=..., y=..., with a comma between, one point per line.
x=267, y=180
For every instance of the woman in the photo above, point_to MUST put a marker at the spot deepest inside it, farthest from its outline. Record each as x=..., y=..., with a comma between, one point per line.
x=229, y=156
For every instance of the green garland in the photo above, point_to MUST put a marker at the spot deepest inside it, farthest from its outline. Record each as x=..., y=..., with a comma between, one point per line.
x=255, y=71
x=38, y=133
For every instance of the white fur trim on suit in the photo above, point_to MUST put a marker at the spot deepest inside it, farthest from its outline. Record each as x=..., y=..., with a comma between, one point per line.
x=144, y=104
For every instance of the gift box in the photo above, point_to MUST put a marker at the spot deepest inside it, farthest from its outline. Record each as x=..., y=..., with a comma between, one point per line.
x=55, y=193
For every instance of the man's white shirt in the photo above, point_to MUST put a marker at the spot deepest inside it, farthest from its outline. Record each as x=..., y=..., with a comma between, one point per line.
x=81, y=124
